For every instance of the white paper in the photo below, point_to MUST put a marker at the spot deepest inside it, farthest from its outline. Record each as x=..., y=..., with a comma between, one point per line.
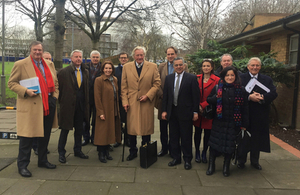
x=31, y=83
x=251, y=84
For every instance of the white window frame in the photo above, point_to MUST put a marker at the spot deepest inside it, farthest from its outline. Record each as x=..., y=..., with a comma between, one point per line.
x=290, y=47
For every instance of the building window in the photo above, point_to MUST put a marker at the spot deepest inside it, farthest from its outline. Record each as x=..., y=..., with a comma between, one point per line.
x=293, y=49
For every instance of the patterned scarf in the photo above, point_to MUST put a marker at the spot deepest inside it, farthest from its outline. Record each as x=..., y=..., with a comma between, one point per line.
x=238, y=102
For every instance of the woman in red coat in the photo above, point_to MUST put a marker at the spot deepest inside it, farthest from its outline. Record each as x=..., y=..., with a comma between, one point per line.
x=207, y=81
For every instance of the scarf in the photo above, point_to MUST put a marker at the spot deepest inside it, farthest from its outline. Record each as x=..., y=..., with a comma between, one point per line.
x=94, y=70
x=111, y=79
x=47, y=86
x=238, y=102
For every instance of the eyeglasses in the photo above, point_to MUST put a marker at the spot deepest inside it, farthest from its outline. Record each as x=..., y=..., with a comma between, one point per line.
x=123, y=58
x=207, y=59
x=176, y=65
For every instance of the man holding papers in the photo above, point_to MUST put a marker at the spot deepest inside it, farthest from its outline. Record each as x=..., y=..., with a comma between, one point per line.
x=36, y=111
x=261, y=93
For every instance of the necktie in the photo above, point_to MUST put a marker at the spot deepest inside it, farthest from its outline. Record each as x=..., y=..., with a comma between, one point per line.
x=78, y=77
x=176, y=90
x=39, y=67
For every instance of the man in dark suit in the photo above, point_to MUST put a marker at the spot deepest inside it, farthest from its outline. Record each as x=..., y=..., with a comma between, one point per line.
x=123, y=58
x=180, y=107
x=74, y=104
x=94, y=69
x=165, y=69
x=259, y=106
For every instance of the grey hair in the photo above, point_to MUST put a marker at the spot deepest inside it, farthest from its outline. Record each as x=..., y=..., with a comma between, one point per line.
x=254, y=58
x=34, y=43
x=95, y=52
x=76, y=50
x=138, y=48
x=226, y=54
x=46, y=52
x=178, y=58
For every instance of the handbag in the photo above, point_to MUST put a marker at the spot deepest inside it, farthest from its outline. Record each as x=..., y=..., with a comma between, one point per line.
x=243, y=144
x=210, y=110
x=148, y=154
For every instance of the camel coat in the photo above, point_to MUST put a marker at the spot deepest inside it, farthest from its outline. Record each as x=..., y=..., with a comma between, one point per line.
x=140, y=116
x=163, y=72
x=30, y=111
x=107, y=131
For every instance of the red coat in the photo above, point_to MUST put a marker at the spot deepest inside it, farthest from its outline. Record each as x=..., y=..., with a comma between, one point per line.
x=212, y=81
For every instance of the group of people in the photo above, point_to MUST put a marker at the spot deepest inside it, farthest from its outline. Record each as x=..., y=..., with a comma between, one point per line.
x=123, y=99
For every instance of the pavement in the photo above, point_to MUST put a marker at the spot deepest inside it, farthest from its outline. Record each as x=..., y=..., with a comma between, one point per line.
x=280, y=174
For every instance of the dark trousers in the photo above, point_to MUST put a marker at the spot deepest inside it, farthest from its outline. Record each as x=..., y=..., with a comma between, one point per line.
x=254, y=157
x=197, y=138
x=180, y=131
x=86, y=133
x=132, y=139
x=78, y=125
x=25, y=144
x=164, y=137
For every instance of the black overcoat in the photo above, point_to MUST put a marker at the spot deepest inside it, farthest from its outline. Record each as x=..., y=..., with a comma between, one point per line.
x=259, y=114
x=67, y=96
x=224, y=130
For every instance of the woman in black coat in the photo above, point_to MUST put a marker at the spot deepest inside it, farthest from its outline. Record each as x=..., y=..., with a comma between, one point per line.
x=231, y=117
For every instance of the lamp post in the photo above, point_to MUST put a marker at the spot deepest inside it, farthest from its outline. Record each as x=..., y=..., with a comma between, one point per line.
x=3, y=95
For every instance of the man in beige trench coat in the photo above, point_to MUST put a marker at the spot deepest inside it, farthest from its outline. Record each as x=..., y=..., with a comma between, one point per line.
x=36, y=112
x=140, y=83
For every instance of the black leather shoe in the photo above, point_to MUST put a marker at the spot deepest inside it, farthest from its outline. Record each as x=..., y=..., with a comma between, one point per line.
x=62, y=159
x=162, y=153
x=257, y=166
x=197, y=157
x=116, y=144
x=241, y=165
x=36, y=151
x=47, y=165
x=131, y=157
x=81, y=155
x=174, y=162
x=85, y=142
x=102, y=157
x=25, y=172
x=187, y=165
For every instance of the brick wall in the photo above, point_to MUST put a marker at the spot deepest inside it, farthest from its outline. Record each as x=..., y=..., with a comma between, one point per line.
x=280, y=44
x=284, y=104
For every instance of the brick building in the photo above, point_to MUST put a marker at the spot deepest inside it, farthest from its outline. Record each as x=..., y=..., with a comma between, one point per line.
x=278, y=33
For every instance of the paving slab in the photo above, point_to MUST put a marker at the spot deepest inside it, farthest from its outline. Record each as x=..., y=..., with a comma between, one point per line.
x=4, y=162
x=60, y=173
x=196, y=190
x=239, y=178
x=6, y=183
x=9, y=150
x=167, y=176
x=283, y=180
x=72, y=188
x=106, y=174
x=144, y=188
x=276, y=192
x=24, y=187
x=289, y=166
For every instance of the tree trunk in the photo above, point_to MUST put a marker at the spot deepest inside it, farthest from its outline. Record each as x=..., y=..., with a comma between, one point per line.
x=95, y=45
x=59, y=28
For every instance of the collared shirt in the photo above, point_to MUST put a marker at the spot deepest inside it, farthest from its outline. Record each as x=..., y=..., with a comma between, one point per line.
x=253, y=76
x=139, y=65
x=39, y=64
x=170, y=68
x=80, y=72
x=180, y=79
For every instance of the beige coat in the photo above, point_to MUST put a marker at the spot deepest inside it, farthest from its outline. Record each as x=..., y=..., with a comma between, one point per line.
x=140, y=116
x=163, y=72
x=30, y=114
x=107, y=131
